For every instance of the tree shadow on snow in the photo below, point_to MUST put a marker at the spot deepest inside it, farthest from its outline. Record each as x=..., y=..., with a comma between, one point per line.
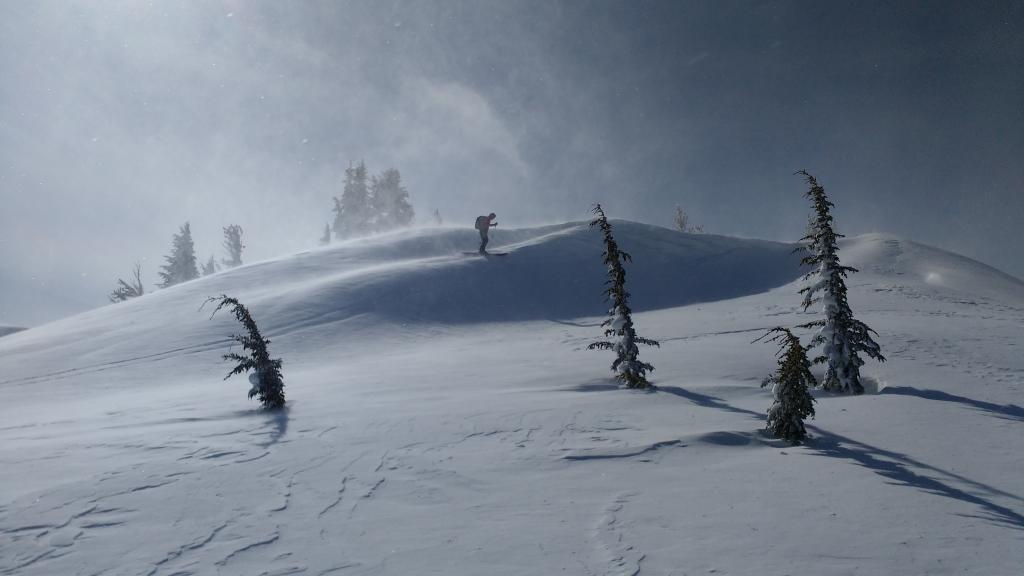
x=596, y=386
x=599, y=385
x=707, y=401
x=276, y=425
x=901, y=470
x=1005, y=411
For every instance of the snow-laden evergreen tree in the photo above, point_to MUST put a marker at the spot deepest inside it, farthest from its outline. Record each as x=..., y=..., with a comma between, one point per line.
x=790, y=387
x=131, y=289
x=233, y=245
x=352, y=210
x=842, y=337
x=326, y=238
x=438, y=221
x=209, y=267
x=619, y=325
x=265, y=379
x=181, y=263
x=389, y=201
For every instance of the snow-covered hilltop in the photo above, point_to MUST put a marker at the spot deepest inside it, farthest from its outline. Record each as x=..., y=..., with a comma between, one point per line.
x=419, y=276
x=444, y=417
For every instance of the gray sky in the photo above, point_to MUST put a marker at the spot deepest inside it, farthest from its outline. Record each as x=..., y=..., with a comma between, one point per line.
x=121, y=120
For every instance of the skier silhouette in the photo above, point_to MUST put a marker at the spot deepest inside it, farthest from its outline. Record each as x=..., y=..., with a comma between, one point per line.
x=483, y=224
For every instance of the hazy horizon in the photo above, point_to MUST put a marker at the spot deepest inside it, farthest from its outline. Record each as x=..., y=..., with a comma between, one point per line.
x=120, y=120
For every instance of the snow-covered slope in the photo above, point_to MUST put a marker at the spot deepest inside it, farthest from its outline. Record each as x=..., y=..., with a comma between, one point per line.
x=418, y=276
x=5, y=330
x=445, y=418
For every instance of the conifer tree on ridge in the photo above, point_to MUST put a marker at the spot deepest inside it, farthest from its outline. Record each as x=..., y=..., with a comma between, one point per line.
x=682, y=222
x=352, y=210
x=181, y=263
x=628, y=369
x=131, y=289
x=842, y=337
x=790, y=384
x=389, y=201
x=210, y=267
x=233, y=245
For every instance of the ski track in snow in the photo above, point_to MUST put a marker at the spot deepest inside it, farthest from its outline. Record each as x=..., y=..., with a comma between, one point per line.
x=88, y=369
x=620, y=556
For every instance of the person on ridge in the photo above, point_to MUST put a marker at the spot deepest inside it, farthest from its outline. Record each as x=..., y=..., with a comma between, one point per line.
x=483, y=224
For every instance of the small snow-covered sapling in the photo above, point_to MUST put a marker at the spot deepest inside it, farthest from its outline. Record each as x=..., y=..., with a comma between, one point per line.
x=619, y=325
x=790, y=387
x=266, y=372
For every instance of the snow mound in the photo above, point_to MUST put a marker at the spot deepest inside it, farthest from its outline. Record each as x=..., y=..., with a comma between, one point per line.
x=552, y=272
x=936, y=271
x=423, y=276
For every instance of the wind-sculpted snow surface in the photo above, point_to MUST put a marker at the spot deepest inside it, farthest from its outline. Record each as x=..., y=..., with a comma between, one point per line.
x=550, y=273
x=417, y=276
x=481, y=437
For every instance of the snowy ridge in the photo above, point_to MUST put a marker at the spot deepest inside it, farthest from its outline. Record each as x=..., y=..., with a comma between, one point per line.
x=420, y=276
x=444, y=417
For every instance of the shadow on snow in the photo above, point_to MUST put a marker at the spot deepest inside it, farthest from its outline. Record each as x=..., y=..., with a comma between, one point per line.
x=277, y=425
x=899, y=469
x=707, y=401
x=1006, y=411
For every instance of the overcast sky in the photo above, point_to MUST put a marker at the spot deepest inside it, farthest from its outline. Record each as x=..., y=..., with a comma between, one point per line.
x=121, y=120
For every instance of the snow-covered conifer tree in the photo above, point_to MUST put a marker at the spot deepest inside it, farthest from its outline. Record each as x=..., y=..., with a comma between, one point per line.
x=326, y=238
x=438, y=221
x=266, y=379
x=842, y=337
x=181, y=263
x=131, y=289
x=619, y=325
x=233, y=245
x=209, y=267
x=790, y=384
x=352, y=210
